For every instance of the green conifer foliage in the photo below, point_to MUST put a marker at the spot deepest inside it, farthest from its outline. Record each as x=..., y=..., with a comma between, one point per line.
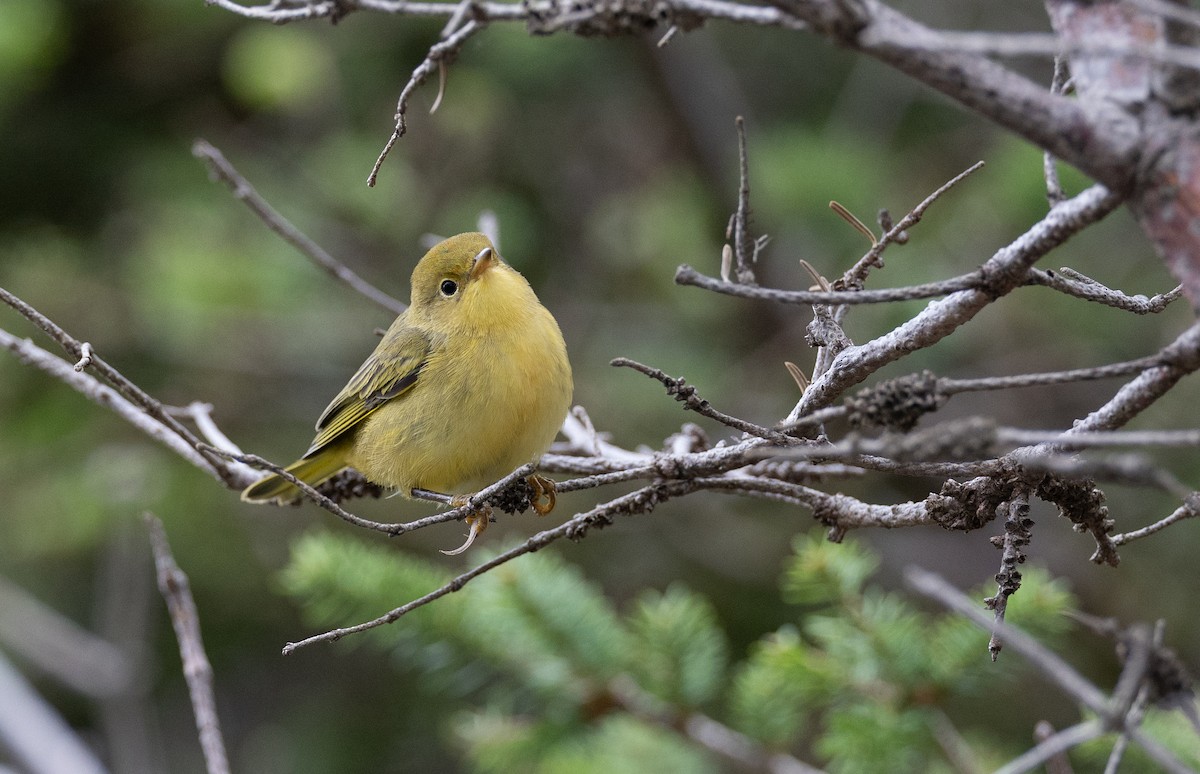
x=552, y=677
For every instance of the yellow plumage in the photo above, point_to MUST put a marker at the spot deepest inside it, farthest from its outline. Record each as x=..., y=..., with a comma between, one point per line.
x=469, y=383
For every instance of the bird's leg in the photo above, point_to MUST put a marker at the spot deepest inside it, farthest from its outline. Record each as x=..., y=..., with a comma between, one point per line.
x=477, y=521
x=544, y=494
x=436, y=497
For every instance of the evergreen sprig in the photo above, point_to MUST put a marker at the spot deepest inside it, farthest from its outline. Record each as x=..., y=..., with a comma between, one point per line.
x=553, y=677
x=681, y=651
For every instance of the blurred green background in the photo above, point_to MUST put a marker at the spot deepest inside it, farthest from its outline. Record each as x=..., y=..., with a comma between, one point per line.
x=608, y=163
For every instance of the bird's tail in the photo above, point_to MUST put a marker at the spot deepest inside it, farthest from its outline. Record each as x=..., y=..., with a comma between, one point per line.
x=312, y=471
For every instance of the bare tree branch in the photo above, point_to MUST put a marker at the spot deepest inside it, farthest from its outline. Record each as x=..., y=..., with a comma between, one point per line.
x=103, y=395
x=1075, y=284
x=686, y=394
x=439, y=55
x=1053, y=668
x=1017, y=535
x=197, y=670
x=1188, y=510
x=575, y=528
x=1150, y=159
x=220, y=169
x=1099, y=139
x=745, y=249
x=126, y=388
x=545, y=14
x=1004, y=271
x=35, y=735
x=703, y=730
x=59, y=647
x=857, y=274
x=1054, y=745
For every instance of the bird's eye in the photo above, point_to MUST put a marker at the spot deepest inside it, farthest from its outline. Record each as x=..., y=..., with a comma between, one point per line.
x=449, y=288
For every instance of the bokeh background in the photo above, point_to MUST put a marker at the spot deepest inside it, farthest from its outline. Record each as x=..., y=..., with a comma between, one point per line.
x=607, y=163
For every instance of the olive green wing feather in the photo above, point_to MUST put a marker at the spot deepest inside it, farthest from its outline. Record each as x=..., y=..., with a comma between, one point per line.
x=390, y=371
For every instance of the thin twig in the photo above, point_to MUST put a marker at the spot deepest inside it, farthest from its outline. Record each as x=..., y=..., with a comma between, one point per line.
x=1052, y=667
x=439, y=55
x=1070, y=282
x=124, y=386
x=1055, y=764
x=712, y=735
x=1005, y=270
x=1136, y=469
x=1059, y=672
x=1096, y=440
x=977, y=280
x=1170, y=10
x=1147, y=645
x=1017, y=534
x=641, y=500
x=197, y=670
x=857, y=274
x=103, y=395
x=1188, y=510
x=36, y=738
x=648, y=472
x=1054, y=189
x=254, y=461
x=457, y=18
x=582, y=437
x=686, y=394
x=85, y=356
x=950, y=386
x=1048, y=45
x=686, y=275
x=220, y=168
x=473, y=504
x=1056, y=744
x=987, y=87
x=956, y=749
x=57, y=646
x=1132, y=689
x=201, y=414
x=1179, y=358
x=740, y=13
x=744, y=271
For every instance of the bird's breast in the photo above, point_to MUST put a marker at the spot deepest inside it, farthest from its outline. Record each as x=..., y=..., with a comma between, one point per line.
x=483, y=405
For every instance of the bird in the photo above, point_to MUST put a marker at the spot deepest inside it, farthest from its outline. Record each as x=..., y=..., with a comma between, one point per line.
x=469, y=383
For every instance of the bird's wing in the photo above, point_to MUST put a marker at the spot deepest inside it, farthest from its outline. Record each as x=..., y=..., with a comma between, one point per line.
x=389, y=373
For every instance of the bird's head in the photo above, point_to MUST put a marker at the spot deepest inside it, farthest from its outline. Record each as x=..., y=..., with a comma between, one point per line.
x=463, y=283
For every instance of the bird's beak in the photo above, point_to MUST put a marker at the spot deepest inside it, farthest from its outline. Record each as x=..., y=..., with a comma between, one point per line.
x=486, y=257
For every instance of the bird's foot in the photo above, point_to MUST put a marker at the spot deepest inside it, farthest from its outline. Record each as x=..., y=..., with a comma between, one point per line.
x=478, y=522
x=544, y=494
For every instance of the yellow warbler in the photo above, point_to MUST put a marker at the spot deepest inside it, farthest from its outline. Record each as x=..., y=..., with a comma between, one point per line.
x=469, y=383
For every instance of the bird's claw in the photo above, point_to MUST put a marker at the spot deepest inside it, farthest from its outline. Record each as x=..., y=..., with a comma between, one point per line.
x=478, y=522
x=543, y=500
x=544, y=494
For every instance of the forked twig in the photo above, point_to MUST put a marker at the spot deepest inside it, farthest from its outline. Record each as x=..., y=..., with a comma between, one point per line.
x=857, y=274
x=439, y=54
x=1048, y=663
x=119, y=382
